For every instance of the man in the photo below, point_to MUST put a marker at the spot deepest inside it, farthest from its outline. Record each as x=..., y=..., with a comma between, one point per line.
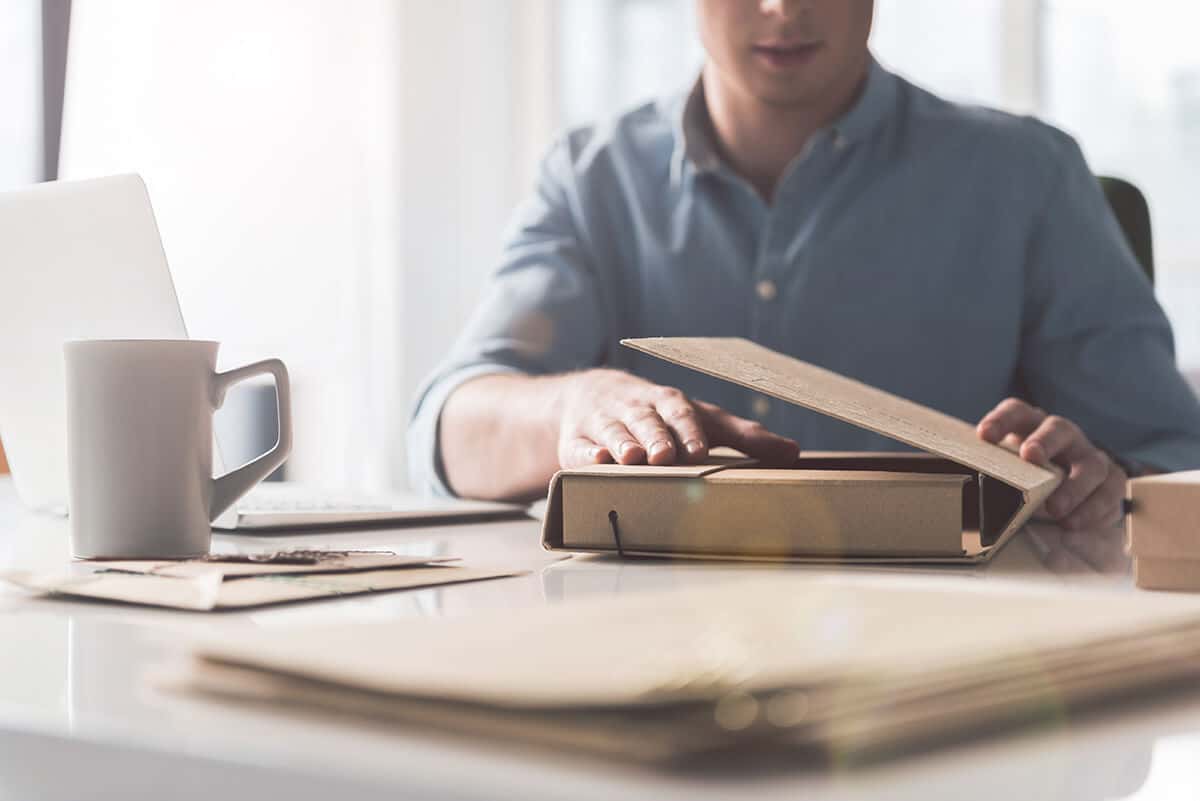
x=804, y=197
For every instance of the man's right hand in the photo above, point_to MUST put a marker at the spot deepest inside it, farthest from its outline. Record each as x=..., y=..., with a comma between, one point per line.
x=612, y=416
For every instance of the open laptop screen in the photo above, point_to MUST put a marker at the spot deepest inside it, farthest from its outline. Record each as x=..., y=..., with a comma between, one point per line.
x=78, y=260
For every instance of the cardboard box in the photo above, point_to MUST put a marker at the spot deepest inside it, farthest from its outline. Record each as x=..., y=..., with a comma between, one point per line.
x=959, y=501
x=1163, y=531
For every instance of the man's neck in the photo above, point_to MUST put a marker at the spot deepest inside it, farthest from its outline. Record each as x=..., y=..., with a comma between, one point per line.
x=759, y=139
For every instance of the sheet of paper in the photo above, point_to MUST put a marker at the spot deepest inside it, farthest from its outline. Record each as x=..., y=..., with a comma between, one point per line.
x=320, y=562
x=208, y=592
x=262, y=590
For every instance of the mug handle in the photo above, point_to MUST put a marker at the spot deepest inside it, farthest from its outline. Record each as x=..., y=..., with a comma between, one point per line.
x=228, y=488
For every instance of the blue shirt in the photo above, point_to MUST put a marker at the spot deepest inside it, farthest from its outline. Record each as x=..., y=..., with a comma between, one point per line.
x=952, y=255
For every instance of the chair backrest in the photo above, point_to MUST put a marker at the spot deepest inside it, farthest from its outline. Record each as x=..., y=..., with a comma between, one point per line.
x=1133, y=214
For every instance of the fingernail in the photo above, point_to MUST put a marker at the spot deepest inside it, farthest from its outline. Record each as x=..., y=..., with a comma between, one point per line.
x=659, y=447
x=694, y=446
x=625, y=446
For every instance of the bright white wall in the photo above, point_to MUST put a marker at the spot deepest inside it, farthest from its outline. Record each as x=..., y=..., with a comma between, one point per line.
x=331, y=180
x=20, y=92
x=476, y=119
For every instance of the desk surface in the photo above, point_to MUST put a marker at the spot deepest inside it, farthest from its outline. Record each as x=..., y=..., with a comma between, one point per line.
x=78, y=721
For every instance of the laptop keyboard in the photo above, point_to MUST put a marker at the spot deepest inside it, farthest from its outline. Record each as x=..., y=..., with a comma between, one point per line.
x=283, y=505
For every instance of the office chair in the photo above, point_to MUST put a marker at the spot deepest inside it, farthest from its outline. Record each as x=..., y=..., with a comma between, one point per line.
x=1133, y=214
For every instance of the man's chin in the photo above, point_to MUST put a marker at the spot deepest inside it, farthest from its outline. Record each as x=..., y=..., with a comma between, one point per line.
x=806, y=88
x=792, y=96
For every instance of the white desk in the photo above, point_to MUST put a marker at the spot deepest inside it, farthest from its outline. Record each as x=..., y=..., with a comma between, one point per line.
x=78, y=722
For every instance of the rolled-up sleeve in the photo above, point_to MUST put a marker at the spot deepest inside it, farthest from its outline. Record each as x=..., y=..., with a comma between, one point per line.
x=540, y=313
x=1097, y=347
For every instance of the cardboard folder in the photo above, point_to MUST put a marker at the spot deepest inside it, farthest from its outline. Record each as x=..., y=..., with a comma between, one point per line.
x=957, y=501
x=843, y=666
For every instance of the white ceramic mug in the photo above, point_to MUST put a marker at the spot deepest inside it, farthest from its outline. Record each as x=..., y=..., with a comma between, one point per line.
x=139, y=446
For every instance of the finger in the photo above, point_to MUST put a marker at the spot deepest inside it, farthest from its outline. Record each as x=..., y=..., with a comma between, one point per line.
x=652, y=433
x=1056, y=439
x=1083, y=479
x=1103, y=507
x=1011, y=441
x=748, y=436
x=1011, y=416
x=684, y=422
x=580, y=452
x=611, y=434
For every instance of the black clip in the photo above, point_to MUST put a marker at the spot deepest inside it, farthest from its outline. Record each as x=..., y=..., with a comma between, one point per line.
x=612, y=520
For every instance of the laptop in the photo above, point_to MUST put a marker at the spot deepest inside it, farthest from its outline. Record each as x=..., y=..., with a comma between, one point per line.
x=84, y=260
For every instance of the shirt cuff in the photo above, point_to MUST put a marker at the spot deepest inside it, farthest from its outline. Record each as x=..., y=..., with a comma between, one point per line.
x=425, y=470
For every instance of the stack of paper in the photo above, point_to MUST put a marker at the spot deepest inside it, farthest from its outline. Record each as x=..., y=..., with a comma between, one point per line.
x=219, y=583
x=847, y=666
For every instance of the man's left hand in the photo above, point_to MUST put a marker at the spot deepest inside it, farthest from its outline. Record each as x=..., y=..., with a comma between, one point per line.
x=1094, y=488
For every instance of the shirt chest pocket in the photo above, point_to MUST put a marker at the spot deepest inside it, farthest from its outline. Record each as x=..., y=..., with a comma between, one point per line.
x=928, y=293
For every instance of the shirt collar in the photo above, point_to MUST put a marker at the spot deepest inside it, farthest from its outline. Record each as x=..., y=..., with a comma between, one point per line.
x=873, y=107
x=694, y=136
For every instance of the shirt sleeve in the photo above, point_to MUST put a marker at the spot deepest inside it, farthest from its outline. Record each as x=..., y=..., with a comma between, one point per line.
x=540, y=313
x=1097, y=348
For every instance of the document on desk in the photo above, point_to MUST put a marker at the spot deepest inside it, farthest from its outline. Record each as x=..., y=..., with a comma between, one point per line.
x=850, y=667
x=238, y=583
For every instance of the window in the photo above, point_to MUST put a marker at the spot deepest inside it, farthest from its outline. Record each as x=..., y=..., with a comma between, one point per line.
x=21, y=93
x=617, y=53
x=1125, y=80
x=951, y=47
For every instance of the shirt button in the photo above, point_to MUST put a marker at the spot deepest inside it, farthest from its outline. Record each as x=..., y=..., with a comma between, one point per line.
x=767, y=290
x=839, y=142
x=760, y=406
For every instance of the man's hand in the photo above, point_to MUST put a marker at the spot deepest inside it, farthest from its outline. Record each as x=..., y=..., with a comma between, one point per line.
x=1094, y=487
x=612, y=416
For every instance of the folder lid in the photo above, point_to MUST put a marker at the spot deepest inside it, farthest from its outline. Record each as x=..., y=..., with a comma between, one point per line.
x=743, y=362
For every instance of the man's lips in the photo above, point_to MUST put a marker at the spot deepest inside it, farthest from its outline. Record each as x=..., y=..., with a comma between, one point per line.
x=782, y=55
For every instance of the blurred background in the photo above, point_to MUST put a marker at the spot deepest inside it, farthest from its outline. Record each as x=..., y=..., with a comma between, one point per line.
x=332, y=179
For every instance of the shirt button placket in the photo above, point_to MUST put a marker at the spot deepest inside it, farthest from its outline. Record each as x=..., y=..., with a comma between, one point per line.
x=766, y=293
